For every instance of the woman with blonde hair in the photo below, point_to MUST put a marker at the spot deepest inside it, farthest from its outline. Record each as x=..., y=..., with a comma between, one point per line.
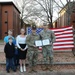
x=22, y=47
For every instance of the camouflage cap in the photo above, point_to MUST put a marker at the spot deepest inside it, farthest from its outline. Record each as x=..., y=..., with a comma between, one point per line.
x=34, y=27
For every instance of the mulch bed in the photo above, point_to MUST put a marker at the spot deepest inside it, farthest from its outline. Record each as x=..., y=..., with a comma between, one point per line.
x=58, y=57
x=55, y=68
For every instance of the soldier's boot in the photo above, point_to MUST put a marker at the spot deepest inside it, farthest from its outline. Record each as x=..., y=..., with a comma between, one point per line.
x=44, y=67
x=50, y=68
x=51, y=64
x=34, y=69
x=30, y=70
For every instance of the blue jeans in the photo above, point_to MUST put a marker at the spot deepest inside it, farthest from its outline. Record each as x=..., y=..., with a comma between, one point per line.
x=16, y=60
x=10, y=64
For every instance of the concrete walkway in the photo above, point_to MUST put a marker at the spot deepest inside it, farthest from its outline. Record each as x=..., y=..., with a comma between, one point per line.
x=64, y=72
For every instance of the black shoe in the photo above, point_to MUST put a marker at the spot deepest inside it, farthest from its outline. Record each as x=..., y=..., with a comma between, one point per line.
x=8, y=71
x=31, y=71
x=34, y=71
x=14, y=70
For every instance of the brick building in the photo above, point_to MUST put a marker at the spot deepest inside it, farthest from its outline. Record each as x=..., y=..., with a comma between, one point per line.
x=9, y=18
x=66, y=16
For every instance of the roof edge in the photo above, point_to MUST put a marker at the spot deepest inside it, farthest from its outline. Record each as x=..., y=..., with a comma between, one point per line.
x=10, y=2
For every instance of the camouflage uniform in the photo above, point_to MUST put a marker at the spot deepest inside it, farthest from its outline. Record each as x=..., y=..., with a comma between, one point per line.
x=48, y=49
x=32, y=51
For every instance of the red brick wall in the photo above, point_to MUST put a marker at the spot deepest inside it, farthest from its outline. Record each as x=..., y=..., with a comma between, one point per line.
x=63, y=20
x=9, y=20
x=0, y=23
x=16, y=22
x=73, y=20
x=6, y=19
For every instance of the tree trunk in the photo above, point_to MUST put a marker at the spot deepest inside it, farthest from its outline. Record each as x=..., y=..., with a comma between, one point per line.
x=21, y=23
x=50, y=25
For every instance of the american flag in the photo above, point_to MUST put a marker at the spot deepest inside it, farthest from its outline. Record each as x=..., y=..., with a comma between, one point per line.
x=64, y=37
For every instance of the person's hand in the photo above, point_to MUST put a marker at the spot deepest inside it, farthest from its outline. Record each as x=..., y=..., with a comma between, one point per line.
x=50, y=43
x=34, y=46
x=21, y=49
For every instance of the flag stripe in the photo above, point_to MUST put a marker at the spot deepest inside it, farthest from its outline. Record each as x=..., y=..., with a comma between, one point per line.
x=62, y=48
x=65, y=36
x=64, y=39
x=62, y=29
x=57, y=34
x=64, y=32
x=58, y=43
x=67, y=46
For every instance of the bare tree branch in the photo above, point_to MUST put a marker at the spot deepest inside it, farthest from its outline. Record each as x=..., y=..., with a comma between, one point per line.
x=58, y=4
x=62, y=3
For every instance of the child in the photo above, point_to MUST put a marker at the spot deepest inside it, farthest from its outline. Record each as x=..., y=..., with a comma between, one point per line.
x=9, y=50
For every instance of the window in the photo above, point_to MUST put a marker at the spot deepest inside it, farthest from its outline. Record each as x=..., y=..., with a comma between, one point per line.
x=6, y=11
x=6, y=22
x=73, y=21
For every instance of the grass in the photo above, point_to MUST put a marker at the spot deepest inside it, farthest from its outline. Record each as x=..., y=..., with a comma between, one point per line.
x=1, y=41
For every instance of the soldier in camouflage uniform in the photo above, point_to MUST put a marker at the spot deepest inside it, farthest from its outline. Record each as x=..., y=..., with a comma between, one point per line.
x=48, y=49
x=32, y=49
